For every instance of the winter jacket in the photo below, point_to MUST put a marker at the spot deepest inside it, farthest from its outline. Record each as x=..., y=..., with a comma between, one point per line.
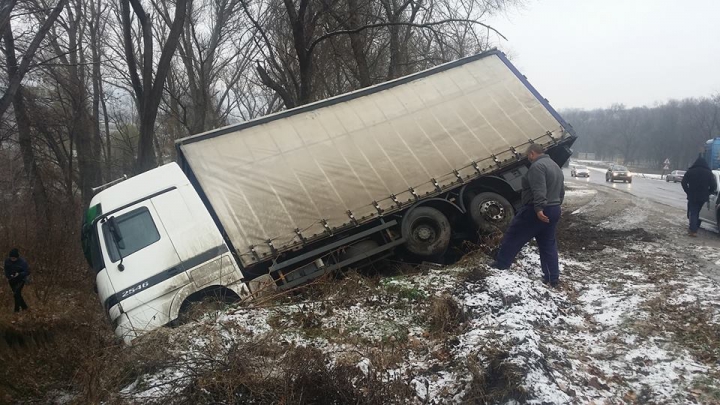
x=699, y=181
x=543, y=185
x=19, y=266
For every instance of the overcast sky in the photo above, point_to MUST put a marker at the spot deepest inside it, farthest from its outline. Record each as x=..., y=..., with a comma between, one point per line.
x=592, y=53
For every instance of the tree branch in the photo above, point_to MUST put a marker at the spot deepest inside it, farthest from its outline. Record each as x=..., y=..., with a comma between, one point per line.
x=130, y=51
x=16, y=79
x=6, y=9
x=167, y=52
x=390, y=24
x=280, y=90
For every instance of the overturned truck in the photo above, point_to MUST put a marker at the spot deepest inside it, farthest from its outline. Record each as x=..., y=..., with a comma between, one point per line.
x=291, y=196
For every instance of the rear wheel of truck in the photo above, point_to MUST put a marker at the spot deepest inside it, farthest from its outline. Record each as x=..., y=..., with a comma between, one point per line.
x=491, y=212
x=427, y=232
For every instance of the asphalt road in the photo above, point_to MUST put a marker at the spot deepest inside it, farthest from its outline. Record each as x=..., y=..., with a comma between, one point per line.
x=659, y=191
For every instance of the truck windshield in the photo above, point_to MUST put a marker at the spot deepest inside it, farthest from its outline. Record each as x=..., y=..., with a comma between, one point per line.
x=138, y=231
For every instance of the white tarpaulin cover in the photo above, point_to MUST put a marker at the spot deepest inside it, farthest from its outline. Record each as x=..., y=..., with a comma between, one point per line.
x=268, y=178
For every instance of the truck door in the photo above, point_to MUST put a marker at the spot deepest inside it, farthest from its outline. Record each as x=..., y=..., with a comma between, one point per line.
x=708, y=213
x=141, y=263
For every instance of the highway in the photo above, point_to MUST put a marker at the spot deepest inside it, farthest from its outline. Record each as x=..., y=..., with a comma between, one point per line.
x=659, y=191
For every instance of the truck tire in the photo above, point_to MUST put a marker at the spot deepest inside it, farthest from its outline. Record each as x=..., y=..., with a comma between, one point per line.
x=491, y=212
x=427, y=232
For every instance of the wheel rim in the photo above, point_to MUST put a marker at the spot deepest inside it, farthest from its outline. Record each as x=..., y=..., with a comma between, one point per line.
x=493, y=211
x=425, y=231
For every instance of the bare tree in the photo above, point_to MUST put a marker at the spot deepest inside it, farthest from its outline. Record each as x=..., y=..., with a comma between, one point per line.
x=676, y=130
x=37, y=188
x=293, y=34
x=148, y=87
x=15, y=80
x=215, y=53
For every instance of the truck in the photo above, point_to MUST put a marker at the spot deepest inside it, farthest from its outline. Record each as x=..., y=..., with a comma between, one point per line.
x=711, y=153
x=275, y=202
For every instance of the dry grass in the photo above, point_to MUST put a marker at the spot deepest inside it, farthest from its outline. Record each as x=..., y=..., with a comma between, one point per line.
x=445, y=316
x=256, y=371
x=497, y=382
x=47, y=351
x=689, y=323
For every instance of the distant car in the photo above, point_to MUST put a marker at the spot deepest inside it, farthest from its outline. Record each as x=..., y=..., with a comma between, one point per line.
x=675, y=176
x=579, y=171
x=617, y=173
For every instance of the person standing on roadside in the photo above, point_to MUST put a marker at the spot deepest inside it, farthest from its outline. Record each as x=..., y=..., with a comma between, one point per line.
x=16, y=272
x=543, y=191
x=698, y=183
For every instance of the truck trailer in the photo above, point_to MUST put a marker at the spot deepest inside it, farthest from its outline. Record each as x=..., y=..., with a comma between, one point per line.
x=283, y=199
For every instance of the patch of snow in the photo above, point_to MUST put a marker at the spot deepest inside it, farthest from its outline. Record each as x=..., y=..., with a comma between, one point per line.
x=578, y=344
x=575, y=193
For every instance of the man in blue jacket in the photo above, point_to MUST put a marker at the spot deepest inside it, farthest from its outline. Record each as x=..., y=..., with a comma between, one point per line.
x=543, y=191
x=16, y=272
x=698, y=183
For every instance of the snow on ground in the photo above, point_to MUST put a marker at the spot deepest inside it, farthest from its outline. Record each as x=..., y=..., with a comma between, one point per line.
x=593, y=340
x=580, y=192
x=634, y=322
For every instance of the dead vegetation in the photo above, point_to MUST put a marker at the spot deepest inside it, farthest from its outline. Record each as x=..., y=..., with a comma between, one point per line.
x=445, y=316
x=236, y=364
x=496, y=380
x=690, y=324
x=261, y=370
x=580, y=234
x=51, y=350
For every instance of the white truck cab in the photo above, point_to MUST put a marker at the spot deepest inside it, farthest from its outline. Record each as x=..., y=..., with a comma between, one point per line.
x=153, y=245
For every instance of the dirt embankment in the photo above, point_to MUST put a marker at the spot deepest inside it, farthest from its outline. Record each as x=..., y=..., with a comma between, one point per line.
x=636, y=321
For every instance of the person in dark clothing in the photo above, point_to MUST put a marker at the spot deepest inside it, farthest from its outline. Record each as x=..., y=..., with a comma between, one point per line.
x=698, y=183
x=543, y=191
x=16, y=272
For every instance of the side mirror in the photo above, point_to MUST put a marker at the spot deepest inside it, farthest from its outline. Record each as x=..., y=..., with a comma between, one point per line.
x=117, y=238
x=115, y=231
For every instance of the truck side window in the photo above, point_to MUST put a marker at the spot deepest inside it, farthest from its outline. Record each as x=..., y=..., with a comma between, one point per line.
x=138, y=231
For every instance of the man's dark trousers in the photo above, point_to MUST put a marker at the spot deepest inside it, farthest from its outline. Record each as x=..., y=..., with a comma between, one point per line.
x=523, y=228
x=17, y=287
x=694, y=208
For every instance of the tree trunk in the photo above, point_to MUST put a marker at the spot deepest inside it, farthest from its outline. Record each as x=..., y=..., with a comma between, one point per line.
x=37, y=188
x=149, y=90
x=96, y=83
x=147, y=159
x=358, y=45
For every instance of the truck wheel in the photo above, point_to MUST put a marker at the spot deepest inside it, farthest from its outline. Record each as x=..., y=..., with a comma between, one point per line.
x=427, y=232
x=491, y=212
